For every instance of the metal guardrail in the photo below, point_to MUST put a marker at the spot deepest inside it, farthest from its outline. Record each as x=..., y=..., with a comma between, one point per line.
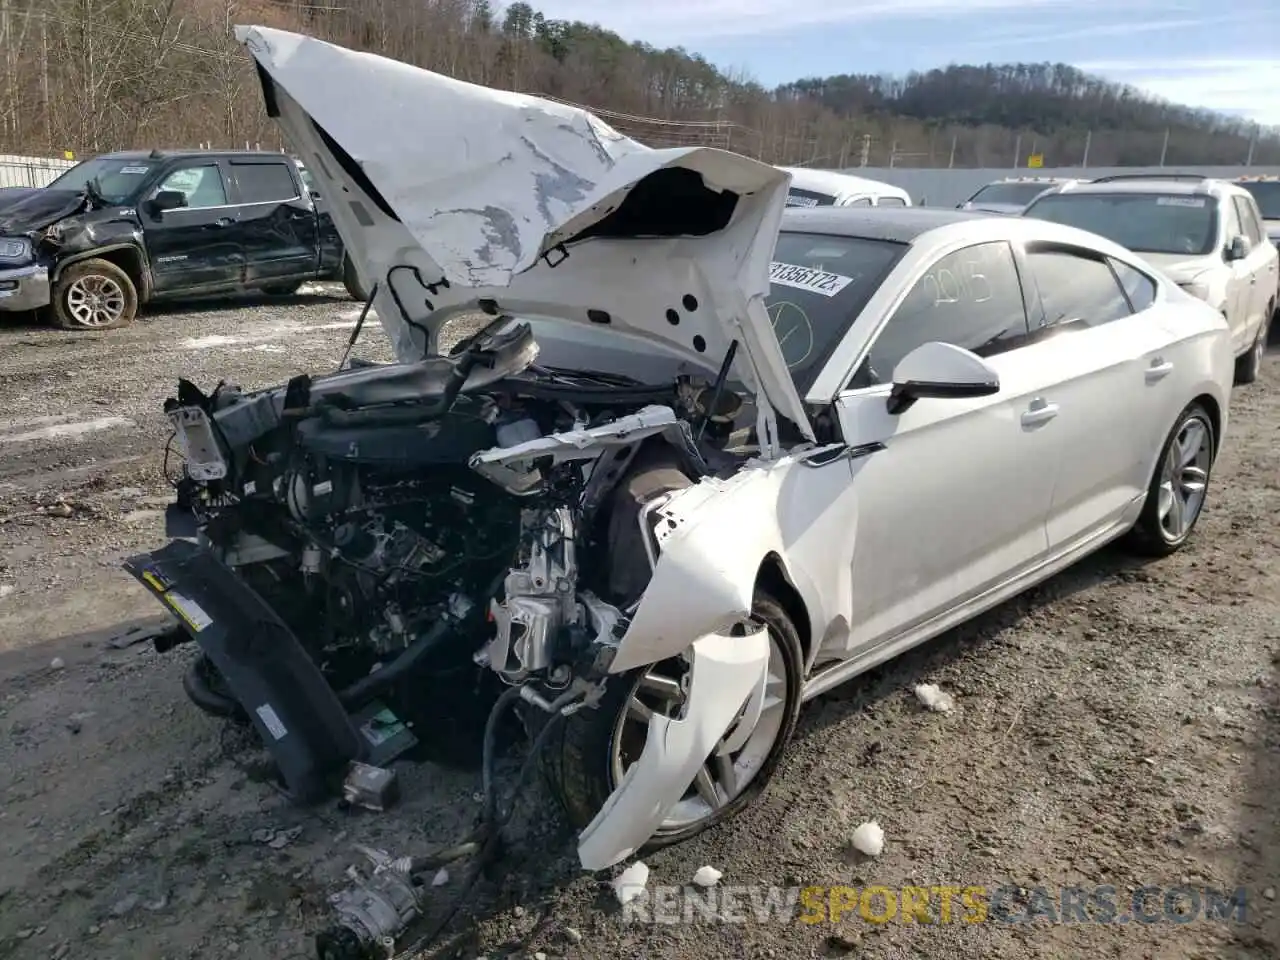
x=18, y=171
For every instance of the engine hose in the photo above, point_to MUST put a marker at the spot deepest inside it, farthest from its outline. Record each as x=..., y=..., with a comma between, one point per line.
x=367, y=687
x=494, y=822
x=201, y=692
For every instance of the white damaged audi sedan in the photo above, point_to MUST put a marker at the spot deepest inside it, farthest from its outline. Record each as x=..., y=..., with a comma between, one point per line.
x=744, y=454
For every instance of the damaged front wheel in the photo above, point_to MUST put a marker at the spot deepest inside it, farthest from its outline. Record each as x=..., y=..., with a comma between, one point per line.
x=598, y=746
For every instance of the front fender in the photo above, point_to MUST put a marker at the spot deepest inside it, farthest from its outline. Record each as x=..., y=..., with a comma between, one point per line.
x=726, y=672
x=713, y=538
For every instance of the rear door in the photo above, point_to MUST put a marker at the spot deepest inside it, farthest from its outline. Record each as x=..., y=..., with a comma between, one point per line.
x=1110, y=382
x=1239, y=289
x=278, y=220
x=197, y=247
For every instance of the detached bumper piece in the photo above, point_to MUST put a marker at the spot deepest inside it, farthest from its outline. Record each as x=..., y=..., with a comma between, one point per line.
x=283, y=692
x=24, y=288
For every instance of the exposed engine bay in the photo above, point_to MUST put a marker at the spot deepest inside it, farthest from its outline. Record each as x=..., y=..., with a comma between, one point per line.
x=411, y=521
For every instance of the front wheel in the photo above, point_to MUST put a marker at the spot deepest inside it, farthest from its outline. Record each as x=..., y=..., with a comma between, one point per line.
x=94, y=295
x=1176, y=494
x=599, y=745
x=1250, y=365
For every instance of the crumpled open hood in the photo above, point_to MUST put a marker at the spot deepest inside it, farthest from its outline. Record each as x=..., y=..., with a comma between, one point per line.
x=27, y=209
x=449, y=194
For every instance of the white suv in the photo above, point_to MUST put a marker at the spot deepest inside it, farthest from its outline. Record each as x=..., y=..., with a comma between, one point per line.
x=1012, y=194
x=1207, y=235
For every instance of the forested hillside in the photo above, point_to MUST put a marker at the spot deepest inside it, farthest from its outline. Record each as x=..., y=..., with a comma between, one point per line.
x=91, y=75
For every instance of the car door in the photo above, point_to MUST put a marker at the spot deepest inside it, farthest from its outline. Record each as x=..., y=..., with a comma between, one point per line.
x=194, y=248
x=1262, y=264
x=1108, y=365
x=951, y=493
x=278, y=220
x=1239, y=289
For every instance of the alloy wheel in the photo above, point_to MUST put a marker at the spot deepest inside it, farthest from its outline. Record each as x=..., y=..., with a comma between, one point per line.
x=727, y=773
x=1184, y=478
x=95, y=301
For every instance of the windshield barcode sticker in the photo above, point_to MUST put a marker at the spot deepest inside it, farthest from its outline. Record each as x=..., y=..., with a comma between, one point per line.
x=803, y=278
x=271, y=720
x=134, y=169
x=1180, y=201
x=795, y=201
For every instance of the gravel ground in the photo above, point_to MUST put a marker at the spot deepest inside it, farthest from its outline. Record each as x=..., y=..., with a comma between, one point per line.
x=1117, y=726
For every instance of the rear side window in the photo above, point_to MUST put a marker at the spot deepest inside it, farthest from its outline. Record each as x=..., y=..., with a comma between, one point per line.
x=859, y=202
x=1138, y=287
x=891, y=202
x=1076, y=289
x=264, y=182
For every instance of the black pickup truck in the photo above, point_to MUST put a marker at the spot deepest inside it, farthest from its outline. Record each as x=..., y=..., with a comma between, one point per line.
x=124, y=229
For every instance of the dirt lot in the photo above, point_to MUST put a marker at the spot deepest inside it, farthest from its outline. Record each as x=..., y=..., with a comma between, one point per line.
x=1117, y=726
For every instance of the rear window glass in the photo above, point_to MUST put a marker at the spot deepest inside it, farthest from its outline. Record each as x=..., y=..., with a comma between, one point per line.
x=1267, y=195
x=818, y=286
x=1013, y=193
x=809, y=198
x=264, y=182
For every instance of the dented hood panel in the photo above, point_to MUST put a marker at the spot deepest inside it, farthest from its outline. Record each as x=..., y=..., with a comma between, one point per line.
x=448, y=194
x=28, y=209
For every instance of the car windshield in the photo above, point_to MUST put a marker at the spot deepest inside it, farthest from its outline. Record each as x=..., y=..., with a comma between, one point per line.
x=1143, y=222
x=818, y=285
x=1015, y=193
x=1267, y=193
x=117, y=180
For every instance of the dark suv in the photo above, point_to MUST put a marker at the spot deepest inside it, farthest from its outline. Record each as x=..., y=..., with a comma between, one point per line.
x=124, y=229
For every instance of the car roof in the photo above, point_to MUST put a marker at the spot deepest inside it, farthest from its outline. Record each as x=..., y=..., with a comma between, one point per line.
x=895, y=224
x=179, y=154
x=835, y=182
x=1167, y=186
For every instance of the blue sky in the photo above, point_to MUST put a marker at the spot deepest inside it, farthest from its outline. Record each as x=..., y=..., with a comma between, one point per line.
x=1208, y=53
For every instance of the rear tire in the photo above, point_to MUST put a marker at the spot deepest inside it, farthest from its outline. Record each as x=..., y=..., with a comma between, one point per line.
x=93, y=295
x=351, y=280
x=1185, y=464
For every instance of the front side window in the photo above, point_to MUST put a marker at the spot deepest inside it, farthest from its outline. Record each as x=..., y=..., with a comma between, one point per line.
x=1138, y=287
x=817, y=286
x=1249, y=221
x=1076, y=289
x=971, y=298
x=1142, y=222
x=201, y=185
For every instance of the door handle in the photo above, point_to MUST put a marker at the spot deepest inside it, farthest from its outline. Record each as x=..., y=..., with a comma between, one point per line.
x=1159, y=369
x=1039, y=412
x=222, y=222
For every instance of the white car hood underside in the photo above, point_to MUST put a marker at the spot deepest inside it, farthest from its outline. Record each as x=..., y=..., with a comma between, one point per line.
x=483, y=183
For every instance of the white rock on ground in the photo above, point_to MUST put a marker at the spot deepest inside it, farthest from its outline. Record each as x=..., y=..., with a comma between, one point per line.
x=630, y=883
x=707, y=876
x=868, y=839
x=933, y=698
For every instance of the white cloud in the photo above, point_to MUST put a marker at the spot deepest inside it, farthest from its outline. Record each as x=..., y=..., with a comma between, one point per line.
x=1020, y=36
x=685, y=21
x=1244, y=87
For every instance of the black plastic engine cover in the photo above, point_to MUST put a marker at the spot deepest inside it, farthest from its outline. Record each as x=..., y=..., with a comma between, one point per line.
x=297, y=714
x=450, y=439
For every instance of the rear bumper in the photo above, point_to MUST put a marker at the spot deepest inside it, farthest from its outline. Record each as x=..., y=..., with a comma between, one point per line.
x=24, y=288
x=265, y=667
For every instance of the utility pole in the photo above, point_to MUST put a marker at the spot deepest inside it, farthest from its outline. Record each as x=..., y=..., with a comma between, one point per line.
x=1164, y=150
x=1088, y=141
x=951, y=160
x=1253, y=139
x=893, y=154
x=1017, y=151
x=866, y=150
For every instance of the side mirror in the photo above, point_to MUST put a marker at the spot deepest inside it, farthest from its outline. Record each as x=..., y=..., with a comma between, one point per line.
x=942, y=371
x=1237, y=249
x=167, y=200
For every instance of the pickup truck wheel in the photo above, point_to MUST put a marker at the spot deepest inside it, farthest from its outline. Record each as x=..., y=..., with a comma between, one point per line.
x=351, y=280
x=94, y=295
